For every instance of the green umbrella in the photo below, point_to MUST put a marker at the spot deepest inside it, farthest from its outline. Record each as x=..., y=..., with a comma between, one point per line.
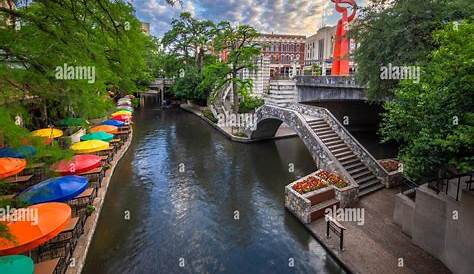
x=99, y=135
x=71, y=122
x=125, y=109
x=16, y=264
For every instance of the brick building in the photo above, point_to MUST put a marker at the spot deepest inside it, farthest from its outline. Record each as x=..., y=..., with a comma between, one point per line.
x=282, y=50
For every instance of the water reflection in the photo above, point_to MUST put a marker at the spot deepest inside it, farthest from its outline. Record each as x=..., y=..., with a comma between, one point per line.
x=183, y=183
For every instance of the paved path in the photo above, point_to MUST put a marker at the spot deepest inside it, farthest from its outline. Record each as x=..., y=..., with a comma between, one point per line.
x=377, y=246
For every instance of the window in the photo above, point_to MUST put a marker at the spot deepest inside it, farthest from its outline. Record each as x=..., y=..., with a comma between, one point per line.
x=321, y=49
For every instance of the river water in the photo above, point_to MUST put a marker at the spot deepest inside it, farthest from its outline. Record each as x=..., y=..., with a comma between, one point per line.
x=184, y=199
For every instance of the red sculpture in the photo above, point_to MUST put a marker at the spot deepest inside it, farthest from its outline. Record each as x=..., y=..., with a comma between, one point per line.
x=340, y=60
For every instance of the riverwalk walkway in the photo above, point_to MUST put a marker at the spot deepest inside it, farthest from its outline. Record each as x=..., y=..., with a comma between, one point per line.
x=377, y=246
x=80, y=252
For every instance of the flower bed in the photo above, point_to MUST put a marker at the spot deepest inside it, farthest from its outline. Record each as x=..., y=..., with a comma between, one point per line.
x=332, y=178
x=309, y=184
x=390, y=165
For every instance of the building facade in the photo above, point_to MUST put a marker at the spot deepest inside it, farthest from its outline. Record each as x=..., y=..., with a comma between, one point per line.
x=319, y=50
x=282, y=50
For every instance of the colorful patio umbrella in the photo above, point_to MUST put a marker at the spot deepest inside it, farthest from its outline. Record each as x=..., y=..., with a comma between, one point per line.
x=125, y=108
x=121, y=112
x=122, y=118
x=16, y=264
x=11, y=166
x=90, y=146
x=104, y=128
x=99, y=135
x=78, y=164
x=114, y=123
x=20, y=152
x=71, y=122
x=124, y=103
x=39, y=224
x=48, y=133
x=59, y=189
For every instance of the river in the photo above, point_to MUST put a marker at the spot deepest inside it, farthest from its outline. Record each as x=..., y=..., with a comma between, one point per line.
x=184, y=199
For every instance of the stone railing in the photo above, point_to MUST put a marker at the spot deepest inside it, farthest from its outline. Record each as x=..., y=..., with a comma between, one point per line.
x=327, y=81
x=367, y=158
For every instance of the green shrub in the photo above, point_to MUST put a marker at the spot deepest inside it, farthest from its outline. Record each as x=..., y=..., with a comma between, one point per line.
x=250, y=104
x=208, y=114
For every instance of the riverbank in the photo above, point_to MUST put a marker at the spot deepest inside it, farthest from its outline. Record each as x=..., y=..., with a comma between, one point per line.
x=80, y=252
x=377, y=246
x=283, y=132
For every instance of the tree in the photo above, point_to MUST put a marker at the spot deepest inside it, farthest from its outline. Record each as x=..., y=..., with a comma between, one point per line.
x=434, y=120
x=189, y=37
x=401, y=34
x=237, y=41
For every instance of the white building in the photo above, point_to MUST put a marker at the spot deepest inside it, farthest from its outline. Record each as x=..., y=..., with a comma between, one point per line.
x=319, y=48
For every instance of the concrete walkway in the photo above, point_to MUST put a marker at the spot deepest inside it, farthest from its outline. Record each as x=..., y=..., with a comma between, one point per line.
x=378, y=246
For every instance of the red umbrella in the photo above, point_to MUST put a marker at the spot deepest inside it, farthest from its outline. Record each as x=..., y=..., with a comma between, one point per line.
x=78, y=164
x=122, y=118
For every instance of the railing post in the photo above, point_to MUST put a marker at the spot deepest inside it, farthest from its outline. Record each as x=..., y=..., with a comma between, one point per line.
x=341, y=242
x=327, y=228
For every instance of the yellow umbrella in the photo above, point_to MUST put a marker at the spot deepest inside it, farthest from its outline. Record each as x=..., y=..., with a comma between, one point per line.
x=48, y=133
x=121, y=112
x=90, y=146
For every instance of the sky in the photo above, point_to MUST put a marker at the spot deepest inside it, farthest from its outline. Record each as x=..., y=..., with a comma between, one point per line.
x=302, y=17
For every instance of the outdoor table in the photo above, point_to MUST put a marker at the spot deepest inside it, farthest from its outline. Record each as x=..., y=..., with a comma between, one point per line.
x=19, y=179
x=47, y=267
x=80, y=202
x=96, y=174
x=71, y=232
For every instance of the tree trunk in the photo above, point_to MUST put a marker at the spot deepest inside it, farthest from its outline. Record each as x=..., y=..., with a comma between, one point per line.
x=235, y=92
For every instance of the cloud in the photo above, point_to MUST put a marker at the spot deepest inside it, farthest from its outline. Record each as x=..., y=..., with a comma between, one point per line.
x=278, y=16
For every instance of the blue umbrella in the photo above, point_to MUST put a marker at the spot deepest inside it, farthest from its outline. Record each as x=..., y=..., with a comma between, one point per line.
x=21, y=152
x=59, y=189
x=114, y=123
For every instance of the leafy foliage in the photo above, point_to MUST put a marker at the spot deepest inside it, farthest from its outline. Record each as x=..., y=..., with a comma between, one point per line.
x=401, y=34
x=434, y=120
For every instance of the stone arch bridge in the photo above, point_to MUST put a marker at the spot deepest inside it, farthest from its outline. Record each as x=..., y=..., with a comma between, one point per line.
x=330, y=144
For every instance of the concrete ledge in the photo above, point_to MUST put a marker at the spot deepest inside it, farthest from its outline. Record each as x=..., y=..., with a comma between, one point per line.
x=80, y=252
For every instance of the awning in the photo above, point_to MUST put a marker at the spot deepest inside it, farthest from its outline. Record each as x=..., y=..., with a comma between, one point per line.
x=99, y=135
x=39, y=224
x=90, y=146
x=59, y=189
x=78, y=164
x=11, y=166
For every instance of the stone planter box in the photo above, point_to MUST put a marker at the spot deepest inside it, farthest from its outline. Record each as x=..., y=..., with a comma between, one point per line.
x=300, y=204
x=394, y=177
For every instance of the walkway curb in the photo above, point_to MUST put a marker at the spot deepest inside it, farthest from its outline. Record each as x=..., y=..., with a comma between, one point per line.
x=83, y=243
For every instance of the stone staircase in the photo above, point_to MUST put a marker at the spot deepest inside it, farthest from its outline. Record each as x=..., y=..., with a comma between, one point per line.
x=281, y=93
x=366, y=179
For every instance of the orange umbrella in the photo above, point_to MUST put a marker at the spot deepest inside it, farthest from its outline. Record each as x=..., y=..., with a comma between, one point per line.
x=34, y=226
x=104, y=128
x=11, y=166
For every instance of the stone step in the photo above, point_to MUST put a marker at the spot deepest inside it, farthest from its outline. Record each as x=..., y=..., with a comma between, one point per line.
x=320, y=127
x=362, y=174
x=317, y=211
x=326, y=135
x=350, y=161
x=369, y=184
x=350, y=157
x=337, y=146
x=341, y=149
x=358, y=169
x=354, y=166
x=343, y=154
x=317, y=122
x=363, y=180
x=329, y=139
x=324, y=131
x=370, y=189
x=335, y=142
